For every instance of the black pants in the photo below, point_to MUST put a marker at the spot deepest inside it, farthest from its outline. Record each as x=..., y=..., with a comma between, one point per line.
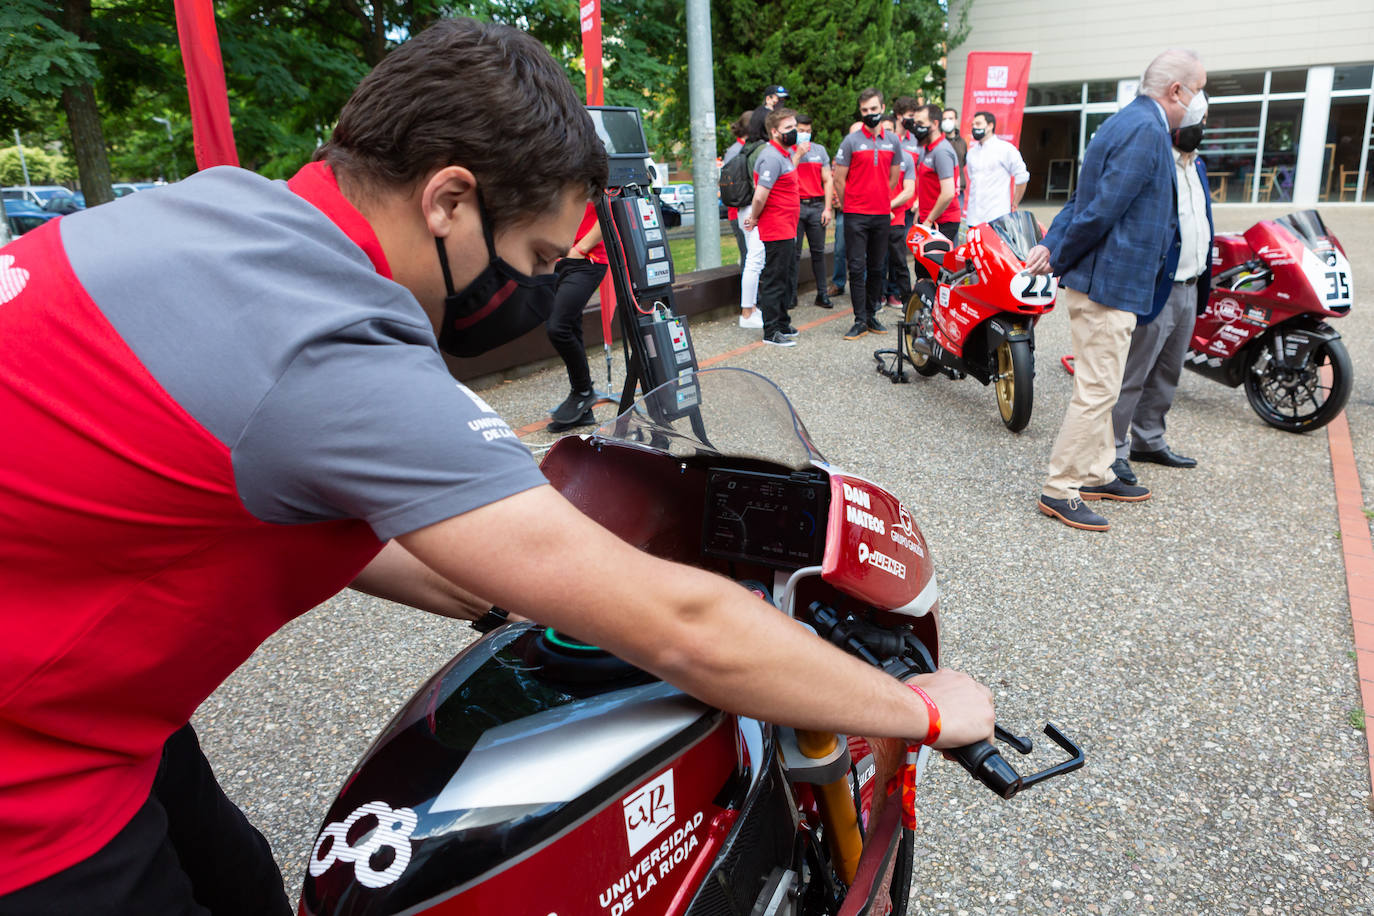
x=578, y=278
x=189, y=851
x=865, y=244
x=809, y=227
x=778, y=277
x=898, y=277
x=949, y=230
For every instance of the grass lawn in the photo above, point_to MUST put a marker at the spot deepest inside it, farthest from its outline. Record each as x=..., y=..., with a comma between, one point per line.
x=685, y=251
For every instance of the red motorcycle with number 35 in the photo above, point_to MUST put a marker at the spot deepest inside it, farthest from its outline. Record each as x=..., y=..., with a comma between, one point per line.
x=1273, y=287
x=973, y=311
x=537, y=775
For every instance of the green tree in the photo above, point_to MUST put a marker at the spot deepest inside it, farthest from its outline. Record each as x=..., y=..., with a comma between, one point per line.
x=43, y=167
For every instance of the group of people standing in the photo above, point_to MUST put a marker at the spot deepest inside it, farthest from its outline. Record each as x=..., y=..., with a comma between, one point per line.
x=892, y=170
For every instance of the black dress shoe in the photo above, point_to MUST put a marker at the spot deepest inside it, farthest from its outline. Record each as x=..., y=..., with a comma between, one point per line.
x=1164, y=456
x=1122, y=469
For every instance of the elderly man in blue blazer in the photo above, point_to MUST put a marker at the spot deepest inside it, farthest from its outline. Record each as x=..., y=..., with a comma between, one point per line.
x=1110, y=247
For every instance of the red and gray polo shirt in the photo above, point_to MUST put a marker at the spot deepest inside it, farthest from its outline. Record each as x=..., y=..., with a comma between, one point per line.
x=867, y=187
x=774, y=169
x=937, y=161
x=810, y=171
x=219, y=406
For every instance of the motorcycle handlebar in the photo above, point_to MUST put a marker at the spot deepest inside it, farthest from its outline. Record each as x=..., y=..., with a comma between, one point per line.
x=981, y=759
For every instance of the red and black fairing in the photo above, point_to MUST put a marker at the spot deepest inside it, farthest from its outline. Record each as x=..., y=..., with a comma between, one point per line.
x=535, y=775
x=1304, y=278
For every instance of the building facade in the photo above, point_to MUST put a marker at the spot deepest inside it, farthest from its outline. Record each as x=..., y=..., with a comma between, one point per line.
x=1291, y=109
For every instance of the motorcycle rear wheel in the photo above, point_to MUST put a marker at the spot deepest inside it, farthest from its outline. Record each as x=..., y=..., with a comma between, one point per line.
x=1015, y=383
x=1299, y=400
x=921, y=324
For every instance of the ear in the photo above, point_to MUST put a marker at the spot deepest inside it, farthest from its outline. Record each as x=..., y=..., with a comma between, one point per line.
x=445, y=195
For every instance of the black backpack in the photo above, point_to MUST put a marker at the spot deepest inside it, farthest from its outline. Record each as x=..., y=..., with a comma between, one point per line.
x=737, y=177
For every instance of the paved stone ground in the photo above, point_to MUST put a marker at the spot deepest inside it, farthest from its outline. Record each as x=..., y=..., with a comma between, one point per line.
x=1201, y=650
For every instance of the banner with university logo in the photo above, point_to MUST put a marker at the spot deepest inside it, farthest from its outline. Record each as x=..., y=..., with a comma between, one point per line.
x=996, y=81
x=589, y=15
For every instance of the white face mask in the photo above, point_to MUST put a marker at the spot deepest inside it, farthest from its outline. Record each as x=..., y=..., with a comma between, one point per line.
x=948, y=125
x=1197, y=109
x=803, y=137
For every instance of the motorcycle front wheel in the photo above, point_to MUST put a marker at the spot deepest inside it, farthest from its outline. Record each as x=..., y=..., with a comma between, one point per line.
x=1015, y=383
x=920, y=323
x=1297, y=400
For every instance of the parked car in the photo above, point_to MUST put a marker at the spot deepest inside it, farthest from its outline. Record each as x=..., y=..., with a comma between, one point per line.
x=64, y=205
x=24, y=215
x=125, y=188
x=38, y=194
x=680, y=196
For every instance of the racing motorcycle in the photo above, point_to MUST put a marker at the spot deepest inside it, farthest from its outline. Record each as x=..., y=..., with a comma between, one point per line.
x=1273, y=287
x=973, y=311
x=534, y=774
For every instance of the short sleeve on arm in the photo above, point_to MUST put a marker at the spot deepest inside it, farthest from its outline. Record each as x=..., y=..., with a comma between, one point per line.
x=370, y=425
x=945, y=161
x=768, y=168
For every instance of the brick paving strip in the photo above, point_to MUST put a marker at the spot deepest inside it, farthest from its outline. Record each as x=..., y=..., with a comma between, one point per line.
x=1359, y=566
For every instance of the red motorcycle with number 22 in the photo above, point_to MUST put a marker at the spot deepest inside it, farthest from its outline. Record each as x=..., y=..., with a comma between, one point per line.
x=538, y=776
x=973, y=311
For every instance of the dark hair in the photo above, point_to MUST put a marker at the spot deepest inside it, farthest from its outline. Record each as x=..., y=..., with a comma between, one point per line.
x=987, y=116
x=955, y=110
x=740, y=126
x=933, y=113
x=869, y=93
x=804, y=119
x=484, y=96
x=904, y=104
x=776, y=117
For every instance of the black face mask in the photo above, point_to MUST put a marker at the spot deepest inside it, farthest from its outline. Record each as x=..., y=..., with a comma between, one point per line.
x=921, y=131
x=873, y=120
x=499, y=305
x=909, y=124
x=789, y=138
x=978, y=132
x=1186, y=139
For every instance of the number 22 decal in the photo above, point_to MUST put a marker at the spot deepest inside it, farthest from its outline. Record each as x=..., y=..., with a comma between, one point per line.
x=1033, y=289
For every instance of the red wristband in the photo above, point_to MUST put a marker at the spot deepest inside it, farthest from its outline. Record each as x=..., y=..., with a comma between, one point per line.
x=932, y=714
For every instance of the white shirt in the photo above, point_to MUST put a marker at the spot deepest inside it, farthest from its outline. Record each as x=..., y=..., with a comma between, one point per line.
x=1193, y=256
x=992, y=165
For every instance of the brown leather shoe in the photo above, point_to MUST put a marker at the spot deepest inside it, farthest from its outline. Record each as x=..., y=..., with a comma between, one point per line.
x=833, y=290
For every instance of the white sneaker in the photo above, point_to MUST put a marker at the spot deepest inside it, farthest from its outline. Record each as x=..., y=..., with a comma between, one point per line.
x=755, y=321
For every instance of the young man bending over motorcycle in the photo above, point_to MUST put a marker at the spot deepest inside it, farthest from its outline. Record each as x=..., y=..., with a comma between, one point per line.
x=201, y=468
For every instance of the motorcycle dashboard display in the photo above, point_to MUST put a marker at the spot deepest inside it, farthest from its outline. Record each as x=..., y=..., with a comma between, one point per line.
x=774, y=519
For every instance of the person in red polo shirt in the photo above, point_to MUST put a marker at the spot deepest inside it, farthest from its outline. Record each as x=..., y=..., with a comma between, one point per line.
x=775, y=209
x=937, y=176
x=866, y=171
x=815, y=187
x=579, y=273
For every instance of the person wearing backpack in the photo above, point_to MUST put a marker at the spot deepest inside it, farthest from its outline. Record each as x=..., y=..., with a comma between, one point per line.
x=737, y=190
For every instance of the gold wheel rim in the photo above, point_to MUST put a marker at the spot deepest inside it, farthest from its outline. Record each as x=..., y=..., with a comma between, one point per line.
x=1006, y=380
x=913, y=312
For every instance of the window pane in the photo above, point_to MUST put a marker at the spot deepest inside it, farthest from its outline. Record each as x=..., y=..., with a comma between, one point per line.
x=1049, y=144
x=1345, y=132
x=1221, y=84
x=1280, y=156
x=1288, y=81
x=1353, y=77
x=1228, y=148
x=1056, y=94
x=1102, y=91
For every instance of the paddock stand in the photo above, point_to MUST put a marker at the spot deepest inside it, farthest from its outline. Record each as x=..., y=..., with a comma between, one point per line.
x=899, y=358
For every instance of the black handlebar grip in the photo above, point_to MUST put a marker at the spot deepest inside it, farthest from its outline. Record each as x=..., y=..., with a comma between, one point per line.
x=987, y=766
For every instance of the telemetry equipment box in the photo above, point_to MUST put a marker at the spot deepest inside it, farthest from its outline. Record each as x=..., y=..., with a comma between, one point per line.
x=640, y=224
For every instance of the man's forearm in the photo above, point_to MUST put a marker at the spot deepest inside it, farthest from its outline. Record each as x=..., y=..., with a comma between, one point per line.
x=397, y=575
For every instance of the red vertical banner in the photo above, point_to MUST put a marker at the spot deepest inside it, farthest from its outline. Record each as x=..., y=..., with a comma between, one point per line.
x=996, y=81
x=589, y=12
x=214, y=136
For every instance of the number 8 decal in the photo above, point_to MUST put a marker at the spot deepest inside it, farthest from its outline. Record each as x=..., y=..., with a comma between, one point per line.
x=393, y=830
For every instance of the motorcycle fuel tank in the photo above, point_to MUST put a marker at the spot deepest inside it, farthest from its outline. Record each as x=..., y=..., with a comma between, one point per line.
x=520, y=779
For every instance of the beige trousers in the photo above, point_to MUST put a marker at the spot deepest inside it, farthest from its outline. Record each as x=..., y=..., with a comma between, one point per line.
x=1086, y=446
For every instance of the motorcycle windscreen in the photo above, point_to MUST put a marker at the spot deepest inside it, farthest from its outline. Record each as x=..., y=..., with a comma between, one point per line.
x=1020, y=231
x=731, y=413
x=1307, y=225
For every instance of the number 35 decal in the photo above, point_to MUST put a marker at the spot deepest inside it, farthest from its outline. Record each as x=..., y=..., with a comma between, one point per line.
x=1034, y=290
